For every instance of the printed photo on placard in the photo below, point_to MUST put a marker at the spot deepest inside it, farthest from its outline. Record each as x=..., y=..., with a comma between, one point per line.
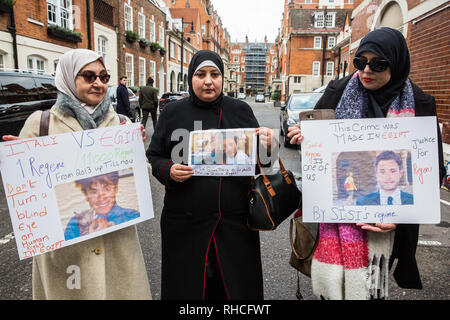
x=366, y=178
x=92, y=204
x=223, y=152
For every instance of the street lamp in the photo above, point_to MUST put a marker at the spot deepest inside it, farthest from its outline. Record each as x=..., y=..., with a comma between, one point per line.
x=192, y=32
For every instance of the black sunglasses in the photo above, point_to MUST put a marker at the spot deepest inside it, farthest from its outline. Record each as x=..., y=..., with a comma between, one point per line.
x=376, y=64
x=90, y=76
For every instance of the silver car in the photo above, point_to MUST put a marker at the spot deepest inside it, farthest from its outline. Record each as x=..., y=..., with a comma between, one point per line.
x=289, y=115
x=136, y=114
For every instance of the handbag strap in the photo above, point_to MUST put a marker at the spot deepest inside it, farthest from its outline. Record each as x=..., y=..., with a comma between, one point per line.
x=267, y=181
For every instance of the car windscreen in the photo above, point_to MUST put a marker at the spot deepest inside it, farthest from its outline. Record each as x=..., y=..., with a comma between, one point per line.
x=304, y=101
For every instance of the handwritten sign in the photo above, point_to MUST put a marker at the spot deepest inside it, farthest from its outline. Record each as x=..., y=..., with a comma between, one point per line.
x=230, y=152
x=66, y=188
x=371, y=170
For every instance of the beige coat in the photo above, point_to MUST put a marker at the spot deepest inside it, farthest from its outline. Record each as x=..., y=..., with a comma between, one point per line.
x=108, y=267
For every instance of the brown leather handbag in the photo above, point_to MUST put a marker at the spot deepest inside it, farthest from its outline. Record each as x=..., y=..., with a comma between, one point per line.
x=272, y=199
x=304, y=244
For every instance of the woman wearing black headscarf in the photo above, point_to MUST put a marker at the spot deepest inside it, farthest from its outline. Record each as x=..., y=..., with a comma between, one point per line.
x=208, y=252
x=379, y=88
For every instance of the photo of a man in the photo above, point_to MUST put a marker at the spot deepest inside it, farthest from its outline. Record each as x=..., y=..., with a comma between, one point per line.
x=100, y=192
x=388, y=171
x=233, y=154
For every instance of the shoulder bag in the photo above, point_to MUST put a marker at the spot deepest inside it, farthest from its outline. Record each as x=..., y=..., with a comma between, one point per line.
x=272, y=199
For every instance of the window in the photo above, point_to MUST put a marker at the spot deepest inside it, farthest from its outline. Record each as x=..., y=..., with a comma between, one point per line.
x=161, y=36
x=60, y=12
x=330, y=20
x=243, y=59
x=2, y=63
x=203, y=29
x=102, y=45
x=141, y=72
x=129, y=69
x=152, y=31
x=236, y=59
x=316, y=68
x=330, y=68
x=141, y=25
x=317, y=42
x=36, y=64
x=178, y=52
x=153, y=69
x=51, y=11
x=242, y=69
x=318, y=20
x=128, y=16
x=297, y=79
x=331, y=42
x=172, y=49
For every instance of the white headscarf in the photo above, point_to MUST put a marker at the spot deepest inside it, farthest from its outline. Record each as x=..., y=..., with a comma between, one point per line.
x=69, y=65
x=207, y=63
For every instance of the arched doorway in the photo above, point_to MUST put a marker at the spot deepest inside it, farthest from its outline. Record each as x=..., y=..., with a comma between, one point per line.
x=179, y=82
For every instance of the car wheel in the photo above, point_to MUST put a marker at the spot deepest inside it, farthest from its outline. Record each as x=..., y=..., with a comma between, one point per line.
x=137, y=115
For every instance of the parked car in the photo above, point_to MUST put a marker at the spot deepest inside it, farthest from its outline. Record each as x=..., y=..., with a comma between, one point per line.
x=260, y=98
x=289, y=114
x=321, y=89
x=22, y=93
x=136, y=113
x=169, y=97
x=241, y=96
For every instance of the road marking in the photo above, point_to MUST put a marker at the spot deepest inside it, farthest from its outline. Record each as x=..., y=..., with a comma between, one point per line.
x=429, y=243
x=7, y=238
x=445, y=202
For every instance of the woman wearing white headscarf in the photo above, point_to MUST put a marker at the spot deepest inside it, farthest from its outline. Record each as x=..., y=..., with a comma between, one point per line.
x=106, y=267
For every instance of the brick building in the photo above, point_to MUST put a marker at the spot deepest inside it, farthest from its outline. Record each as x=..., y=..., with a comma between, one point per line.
x=307, y=35
x=141, y=42
x=181, y=47
x=214, y=35
x=425, y=25
x=36, y=35
x=255, y=66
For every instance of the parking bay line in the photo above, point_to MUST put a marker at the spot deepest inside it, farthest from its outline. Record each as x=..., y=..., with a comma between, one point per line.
x=445, y=202
x=7, y=238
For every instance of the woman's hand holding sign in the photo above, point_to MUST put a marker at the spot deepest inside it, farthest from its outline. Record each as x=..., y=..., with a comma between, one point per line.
x=295, y=133
x=180, y=172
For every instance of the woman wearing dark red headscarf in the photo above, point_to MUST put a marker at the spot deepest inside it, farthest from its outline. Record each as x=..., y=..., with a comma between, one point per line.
x=352, y=261
x=208, y=252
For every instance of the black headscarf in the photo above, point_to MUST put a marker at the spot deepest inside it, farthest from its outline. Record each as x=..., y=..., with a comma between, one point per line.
x=197, y=59
x=389, y=44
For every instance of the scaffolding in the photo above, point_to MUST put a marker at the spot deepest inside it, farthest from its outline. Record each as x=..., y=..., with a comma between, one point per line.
x=255, y=72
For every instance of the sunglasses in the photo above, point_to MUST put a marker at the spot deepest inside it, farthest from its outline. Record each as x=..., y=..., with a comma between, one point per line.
x=90, y=76
x=376, y=64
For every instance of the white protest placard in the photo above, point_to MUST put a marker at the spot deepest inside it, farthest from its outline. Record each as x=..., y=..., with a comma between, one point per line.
x=66, y=188
x=371, y=170
x=229, y=152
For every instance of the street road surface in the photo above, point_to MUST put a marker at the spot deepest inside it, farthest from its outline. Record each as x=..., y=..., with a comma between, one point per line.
x=433, y=254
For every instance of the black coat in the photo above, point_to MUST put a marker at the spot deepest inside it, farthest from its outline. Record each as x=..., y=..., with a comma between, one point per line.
x=406, y=272
x=123, y=101
x=204, y=211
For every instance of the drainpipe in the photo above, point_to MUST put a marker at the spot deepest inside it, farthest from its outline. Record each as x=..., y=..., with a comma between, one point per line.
x=12, y=30
x=88, y=16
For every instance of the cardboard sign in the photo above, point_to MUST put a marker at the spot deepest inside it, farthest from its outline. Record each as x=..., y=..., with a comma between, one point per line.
x=230, y=152
x=66, y=188
x=371, y=170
